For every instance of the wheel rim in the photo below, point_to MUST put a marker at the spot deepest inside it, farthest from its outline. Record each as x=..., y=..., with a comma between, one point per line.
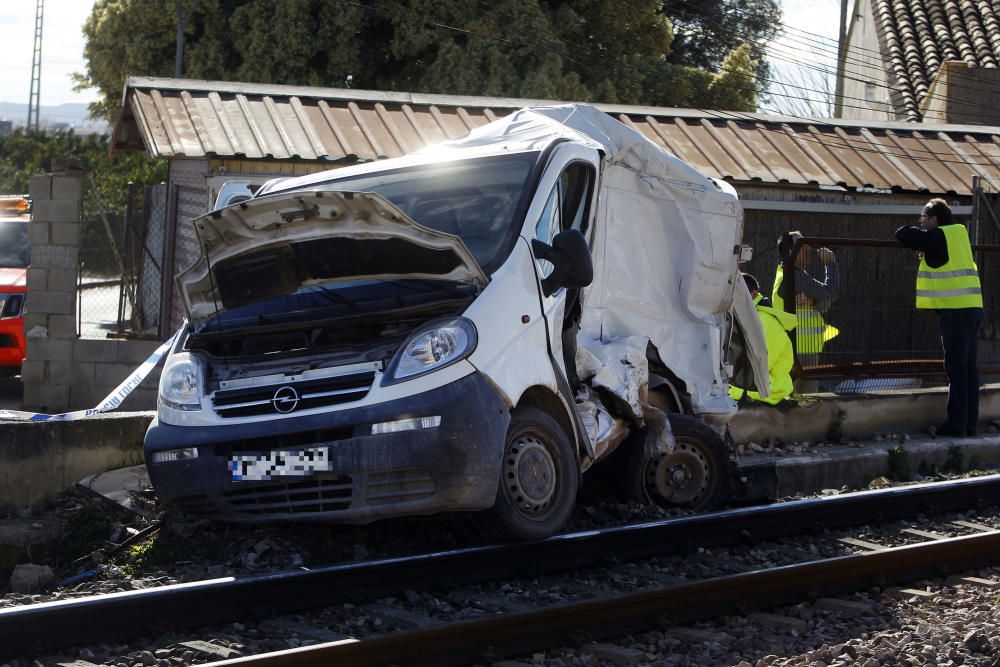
x=529, y=475
x=681, y=477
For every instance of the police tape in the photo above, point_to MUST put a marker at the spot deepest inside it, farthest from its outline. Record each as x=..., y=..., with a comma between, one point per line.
x=111, y=401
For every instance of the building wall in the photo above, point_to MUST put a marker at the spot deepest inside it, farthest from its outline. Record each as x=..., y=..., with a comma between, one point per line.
x=866, y=92
x=964, y=95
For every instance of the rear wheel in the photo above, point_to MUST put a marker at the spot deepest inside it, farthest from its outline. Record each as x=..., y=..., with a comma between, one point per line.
x=693, y=476
x=538, y=478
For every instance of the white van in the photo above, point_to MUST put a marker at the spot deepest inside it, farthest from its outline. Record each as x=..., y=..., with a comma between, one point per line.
x=469, y=327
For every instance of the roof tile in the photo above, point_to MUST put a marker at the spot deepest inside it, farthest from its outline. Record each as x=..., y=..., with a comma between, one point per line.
x=918, y=35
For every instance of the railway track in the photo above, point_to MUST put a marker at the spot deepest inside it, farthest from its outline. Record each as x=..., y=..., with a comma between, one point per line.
x=594, y=594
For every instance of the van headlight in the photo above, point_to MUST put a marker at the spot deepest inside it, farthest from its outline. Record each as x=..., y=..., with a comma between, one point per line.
x=181, y=381
x=440, y=344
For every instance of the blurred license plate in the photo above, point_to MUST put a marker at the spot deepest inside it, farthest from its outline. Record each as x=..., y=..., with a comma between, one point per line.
x=259, y=466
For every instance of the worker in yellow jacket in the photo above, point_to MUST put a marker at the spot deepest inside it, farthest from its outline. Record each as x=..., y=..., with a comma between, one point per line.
x=780, y=356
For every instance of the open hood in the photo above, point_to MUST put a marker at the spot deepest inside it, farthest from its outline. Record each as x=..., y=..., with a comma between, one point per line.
x=267, y=247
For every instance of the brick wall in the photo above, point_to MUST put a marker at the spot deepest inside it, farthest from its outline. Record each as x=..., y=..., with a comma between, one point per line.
x=62, y=372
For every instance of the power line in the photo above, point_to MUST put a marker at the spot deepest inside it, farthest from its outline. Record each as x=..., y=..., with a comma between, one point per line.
x=879, y=64
x=883, y=152
x=601, y=60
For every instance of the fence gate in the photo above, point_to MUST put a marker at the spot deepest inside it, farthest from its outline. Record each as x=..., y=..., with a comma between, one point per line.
x=985, y=224
x=871, y=336
x=143, y=245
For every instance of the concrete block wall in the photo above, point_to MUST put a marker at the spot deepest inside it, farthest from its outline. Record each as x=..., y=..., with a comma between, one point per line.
x=50, y=321
x=61, y=371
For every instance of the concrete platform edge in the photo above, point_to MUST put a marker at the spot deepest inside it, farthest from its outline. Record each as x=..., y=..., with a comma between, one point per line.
x=39, y=460
x=772, y=476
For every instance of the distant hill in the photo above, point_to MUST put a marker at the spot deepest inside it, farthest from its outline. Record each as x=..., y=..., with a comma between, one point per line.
x=63, y=116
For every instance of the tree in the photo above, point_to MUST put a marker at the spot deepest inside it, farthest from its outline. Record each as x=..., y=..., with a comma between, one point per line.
x=707, y=29
x=625, y=51
x=23, y=155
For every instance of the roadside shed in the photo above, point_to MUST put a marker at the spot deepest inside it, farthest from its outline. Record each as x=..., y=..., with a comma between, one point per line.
x=821, y=176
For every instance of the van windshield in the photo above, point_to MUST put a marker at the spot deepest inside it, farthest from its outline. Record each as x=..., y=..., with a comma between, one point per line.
x=14, y=249
x=475, y=199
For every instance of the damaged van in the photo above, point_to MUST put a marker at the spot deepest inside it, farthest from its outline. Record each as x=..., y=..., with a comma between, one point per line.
x=470, y=327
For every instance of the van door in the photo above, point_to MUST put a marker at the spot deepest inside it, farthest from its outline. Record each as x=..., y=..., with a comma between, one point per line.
x=565, y=199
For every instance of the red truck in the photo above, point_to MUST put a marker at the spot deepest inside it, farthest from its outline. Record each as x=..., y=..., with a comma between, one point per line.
x=15, y=255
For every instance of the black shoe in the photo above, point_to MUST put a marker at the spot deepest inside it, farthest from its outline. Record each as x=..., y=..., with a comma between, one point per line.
x=949, y=430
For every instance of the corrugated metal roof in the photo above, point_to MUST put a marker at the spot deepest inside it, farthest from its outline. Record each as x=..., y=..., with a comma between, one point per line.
x=178, y=117
x=919, y=35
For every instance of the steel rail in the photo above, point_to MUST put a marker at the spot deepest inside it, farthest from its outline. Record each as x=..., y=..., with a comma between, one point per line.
x=50, y=625
x=519, y=633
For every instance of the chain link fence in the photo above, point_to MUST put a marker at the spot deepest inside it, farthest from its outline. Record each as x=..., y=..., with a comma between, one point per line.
x=120, y=282
x=871, y=337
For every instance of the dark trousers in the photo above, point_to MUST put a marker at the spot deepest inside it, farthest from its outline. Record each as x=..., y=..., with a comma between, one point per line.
x=959, y=337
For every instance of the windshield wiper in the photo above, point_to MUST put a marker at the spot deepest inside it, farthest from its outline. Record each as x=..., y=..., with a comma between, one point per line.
x=336, y=297
x=436, y=285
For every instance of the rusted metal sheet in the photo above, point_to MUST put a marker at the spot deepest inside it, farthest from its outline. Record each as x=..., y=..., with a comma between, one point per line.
x=175, y=117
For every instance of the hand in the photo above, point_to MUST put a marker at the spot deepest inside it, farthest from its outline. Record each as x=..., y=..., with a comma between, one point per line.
x=825, y=255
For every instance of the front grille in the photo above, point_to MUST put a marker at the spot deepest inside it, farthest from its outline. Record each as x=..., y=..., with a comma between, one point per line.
x=197, y=504
x=399, y=486
x=321, y=495
x=293, y=396
x=297, y=440
x=6, y=340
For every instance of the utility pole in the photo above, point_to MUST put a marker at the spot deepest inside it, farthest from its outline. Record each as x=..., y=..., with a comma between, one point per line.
x=36, y=70
x=182, y=19
x=838, y=95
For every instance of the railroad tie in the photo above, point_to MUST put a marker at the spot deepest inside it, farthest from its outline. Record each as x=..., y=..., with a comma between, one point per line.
x=867, y=546
x=209, y=648
x=696, y=635
x=285, y=626
x=796, y=625
x=916, y=592
x=72, y=663
x=724, y=564
x=618, y=655
x=926, y=534
x=585, y=591
x=660, y=577
x=983, y=528
x=846, y=608
x=407, y=620
x=484, y=602
x=959, y=579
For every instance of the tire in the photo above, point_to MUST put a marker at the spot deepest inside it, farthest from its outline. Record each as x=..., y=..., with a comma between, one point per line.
x=539, y=476
x=694, y=476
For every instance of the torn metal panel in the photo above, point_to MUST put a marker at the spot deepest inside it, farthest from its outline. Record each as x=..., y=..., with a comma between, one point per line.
x=666, y=272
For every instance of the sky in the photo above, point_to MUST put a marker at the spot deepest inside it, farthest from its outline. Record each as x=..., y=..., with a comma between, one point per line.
x=62, y=44
x=62, y=50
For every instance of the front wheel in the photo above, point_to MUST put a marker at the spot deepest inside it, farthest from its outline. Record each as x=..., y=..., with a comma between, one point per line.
x=538, y=478
x=693, y=476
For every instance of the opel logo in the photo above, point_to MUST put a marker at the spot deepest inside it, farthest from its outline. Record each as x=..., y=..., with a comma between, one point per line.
x=285, y=400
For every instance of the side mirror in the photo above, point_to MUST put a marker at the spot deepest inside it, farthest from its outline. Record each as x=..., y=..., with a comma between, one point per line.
x=570, y=258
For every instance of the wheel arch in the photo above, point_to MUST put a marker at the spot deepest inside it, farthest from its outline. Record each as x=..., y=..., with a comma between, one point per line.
x=546, y=400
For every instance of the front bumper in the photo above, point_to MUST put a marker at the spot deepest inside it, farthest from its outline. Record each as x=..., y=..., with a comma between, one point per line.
x=12, y=345
x=454, y=466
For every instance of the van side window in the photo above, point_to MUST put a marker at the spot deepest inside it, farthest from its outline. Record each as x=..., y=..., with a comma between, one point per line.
x=568, y=207
x=548, y=226
x=574, y=183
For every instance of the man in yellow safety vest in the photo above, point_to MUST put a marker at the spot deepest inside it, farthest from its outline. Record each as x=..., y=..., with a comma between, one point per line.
x=812, y=298
x=948, y=282
x=779, y=347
